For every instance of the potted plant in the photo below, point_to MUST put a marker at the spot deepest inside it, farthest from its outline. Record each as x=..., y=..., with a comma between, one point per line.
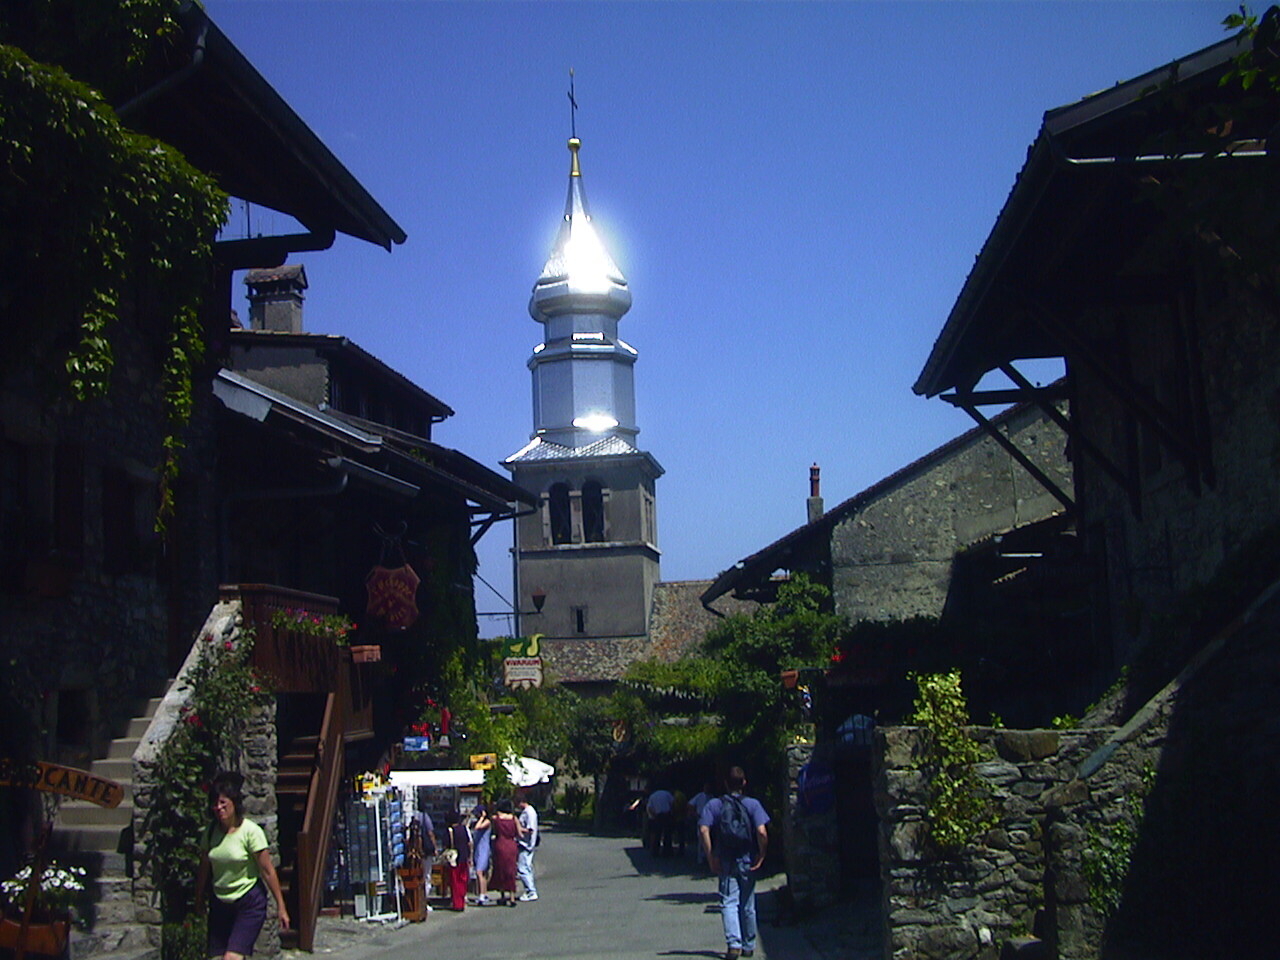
x=59, y=892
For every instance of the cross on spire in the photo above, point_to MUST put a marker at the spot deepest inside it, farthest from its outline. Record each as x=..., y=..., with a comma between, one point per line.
x=573, y=108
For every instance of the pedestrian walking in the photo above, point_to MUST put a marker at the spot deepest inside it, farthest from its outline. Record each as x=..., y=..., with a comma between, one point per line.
x=657, y=811
x=238, y=862
x=480, y=827
x=455, y=843
x=733, y=837
x=528, y=842
x=506, y=832
x=694, y=814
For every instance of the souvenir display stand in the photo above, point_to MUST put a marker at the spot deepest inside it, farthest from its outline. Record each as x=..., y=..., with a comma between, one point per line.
x=437, y=792
x=374, y=844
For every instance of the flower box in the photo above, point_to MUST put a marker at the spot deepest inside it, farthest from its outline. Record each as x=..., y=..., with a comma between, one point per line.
x=367, y=653
x=46, y=939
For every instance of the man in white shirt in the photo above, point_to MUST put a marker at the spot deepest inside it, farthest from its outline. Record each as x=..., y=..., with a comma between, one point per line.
x=528, y=843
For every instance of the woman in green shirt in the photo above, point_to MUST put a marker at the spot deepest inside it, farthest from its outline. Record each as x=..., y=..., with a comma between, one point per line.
x=239, y=861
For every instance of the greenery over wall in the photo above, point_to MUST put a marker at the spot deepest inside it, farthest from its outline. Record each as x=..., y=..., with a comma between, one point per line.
x=99, y=225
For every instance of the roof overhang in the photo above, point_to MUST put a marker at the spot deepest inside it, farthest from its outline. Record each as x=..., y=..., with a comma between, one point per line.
x=1073, y=217
x=229, y=122
x=388, y=460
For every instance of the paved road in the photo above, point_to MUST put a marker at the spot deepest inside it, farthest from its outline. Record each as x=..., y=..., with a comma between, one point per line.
x=604, y=897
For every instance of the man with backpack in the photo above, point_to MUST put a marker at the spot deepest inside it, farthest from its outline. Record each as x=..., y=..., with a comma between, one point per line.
x=732, y=834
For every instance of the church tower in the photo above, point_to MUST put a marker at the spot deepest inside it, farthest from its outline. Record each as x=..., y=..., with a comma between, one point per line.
x=587, y=560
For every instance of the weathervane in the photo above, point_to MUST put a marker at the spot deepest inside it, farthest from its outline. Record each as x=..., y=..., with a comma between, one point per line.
x=573, y=108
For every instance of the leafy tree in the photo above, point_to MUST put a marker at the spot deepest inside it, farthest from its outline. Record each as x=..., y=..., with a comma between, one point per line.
x=734, y=676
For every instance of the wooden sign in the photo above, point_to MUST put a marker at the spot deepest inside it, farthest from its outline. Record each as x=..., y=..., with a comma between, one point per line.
x=393, y=596
x=65, y=781
x=484, y=761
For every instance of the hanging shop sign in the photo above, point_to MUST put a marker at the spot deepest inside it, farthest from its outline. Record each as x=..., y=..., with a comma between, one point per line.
x=393, y=593
x=521, y=661
x=64, y=781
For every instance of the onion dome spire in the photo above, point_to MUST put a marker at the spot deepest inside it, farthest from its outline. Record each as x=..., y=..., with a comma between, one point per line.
x=579, y=274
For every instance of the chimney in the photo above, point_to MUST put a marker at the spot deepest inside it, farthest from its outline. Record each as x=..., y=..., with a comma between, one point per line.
x=275, y=298
x=814, y=503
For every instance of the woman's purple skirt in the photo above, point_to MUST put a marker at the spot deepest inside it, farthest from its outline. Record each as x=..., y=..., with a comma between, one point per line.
x=234, y=926
x=480, y=852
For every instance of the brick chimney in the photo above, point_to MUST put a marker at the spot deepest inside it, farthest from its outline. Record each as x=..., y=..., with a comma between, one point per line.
x=814, y=503
x=275, y=298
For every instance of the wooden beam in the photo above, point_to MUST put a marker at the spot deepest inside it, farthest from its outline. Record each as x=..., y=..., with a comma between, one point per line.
x=1012, y=449
x=1127, y=483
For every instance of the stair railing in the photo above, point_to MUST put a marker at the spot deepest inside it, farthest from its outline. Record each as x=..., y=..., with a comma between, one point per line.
x=322, y=796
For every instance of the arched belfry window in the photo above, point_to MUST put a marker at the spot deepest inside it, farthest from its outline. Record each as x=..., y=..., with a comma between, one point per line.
x=558, y=506
x=593, y=512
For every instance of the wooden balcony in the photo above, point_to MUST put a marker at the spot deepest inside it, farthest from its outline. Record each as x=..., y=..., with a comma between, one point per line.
x=295, y=662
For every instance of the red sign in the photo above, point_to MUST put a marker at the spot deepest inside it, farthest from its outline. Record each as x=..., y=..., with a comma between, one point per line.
x=393, y=596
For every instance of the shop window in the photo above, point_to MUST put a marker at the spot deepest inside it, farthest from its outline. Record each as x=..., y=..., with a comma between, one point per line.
x=592, y=512
x=558, y=506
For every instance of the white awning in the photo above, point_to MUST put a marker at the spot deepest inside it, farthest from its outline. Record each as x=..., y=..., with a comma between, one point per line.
x=437, y=778
x=527, y=771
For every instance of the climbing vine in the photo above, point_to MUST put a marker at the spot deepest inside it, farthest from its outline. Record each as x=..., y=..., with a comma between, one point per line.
x=959, y=808
x=223, y=693
x=1109, y=849
x=99, y=225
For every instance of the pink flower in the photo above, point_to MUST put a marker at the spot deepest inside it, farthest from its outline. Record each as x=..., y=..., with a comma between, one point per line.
x=227, y=645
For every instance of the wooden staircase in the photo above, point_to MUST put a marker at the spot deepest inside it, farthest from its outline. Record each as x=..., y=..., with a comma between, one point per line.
x=293, y=782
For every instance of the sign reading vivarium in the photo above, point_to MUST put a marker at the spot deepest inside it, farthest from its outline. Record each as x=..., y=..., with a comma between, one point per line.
x=521, y=662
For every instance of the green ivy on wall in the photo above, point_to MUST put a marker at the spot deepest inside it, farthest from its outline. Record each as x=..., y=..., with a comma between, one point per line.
x=959, y=808
x=99, y=225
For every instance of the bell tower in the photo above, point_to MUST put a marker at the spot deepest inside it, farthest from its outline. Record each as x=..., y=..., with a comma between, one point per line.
x=591, y=549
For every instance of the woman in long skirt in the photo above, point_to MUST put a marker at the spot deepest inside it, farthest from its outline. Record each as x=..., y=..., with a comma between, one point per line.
x=506, y=828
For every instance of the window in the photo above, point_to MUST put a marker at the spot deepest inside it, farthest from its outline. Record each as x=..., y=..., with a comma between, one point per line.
x=579, y=619
x=593, y=530
x=126, y=533
x=558, y=506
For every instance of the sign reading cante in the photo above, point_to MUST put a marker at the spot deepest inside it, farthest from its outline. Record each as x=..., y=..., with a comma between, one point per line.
x=65, y=781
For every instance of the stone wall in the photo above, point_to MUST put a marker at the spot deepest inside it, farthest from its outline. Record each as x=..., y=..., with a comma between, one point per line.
x=811, y=840
x=1003, y=886
x=257, y=760
x=891, y=558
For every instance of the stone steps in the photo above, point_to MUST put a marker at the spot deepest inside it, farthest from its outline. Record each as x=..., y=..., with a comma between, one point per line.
x=101, y=840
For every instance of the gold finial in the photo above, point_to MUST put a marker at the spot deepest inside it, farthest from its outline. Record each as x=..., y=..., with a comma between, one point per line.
x=574, y=145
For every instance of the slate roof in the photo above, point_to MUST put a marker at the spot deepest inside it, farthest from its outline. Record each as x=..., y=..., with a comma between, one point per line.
x=596, y=659
x=678, y=621
x=540, y=449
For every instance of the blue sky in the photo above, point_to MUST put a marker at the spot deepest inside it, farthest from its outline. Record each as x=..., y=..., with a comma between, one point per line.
x=795, y=192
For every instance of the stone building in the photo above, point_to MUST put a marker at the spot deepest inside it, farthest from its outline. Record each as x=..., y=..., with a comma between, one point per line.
x=98, y=608
x=944, y=538
x=305, y=463
x=1134, y=245
x=587, y=560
